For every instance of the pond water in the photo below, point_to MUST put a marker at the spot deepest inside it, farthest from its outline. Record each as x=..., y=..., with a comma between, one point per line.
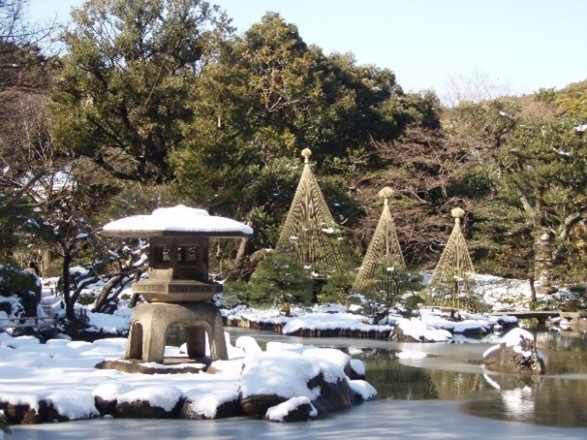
x=454, y=372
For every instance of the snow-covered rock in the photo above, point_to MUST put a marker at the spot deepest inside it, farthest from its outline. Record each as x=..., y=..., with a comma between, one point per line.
x=317, y=375
x=516, y=353
x=415, y=330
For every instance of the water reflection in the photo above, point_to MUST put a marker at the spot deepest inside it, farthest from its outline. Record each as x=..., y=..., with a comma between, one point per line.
x=407, y=379
x=547, y=401
x=394, y=380
x=557, y=399
x=573, y=341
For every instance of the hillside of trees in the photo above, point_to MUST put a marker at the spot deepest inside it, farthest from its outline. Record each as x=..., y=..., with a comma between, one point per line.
x=157, y=102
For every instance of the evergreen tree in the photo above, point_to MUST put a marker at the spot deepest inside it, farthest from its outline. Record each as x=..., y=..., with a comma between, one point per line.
x=266, y=96
x=122, y=94
x=544, y=164
x=23, y=129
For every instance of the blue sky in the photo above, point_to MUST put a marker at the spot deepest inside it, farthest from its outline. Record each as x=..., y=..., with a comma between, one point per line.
x=518, y=46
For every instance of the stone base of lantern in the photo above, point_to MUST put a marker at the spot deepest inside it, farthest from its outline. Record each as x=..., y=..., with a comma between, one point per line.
x=150, y=322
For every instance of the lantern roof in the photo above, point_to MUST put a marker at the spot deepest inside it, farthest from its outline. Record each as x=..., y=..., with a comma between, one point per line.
x=177, y=221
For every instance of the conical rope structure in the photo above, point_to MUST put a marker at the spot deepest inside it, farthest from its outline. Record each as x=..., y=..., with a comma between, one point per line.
x=383, y=266
x=449, y=284
x=309, y=233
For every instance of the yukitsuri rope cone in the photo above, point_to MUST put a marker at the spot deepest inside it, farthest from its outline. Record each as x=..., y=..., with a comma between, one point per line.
x=449, y=284
x=383, y=265
x=309, y=233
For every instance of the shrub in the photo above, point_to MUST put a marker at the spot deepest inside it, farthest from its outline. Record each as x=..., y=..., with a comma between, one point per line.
x=22, y=283
x=278, y=279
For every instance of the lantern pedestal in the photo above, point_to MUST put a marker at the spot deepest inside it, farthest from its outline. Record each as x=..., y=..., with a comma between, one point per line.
x=150, y=322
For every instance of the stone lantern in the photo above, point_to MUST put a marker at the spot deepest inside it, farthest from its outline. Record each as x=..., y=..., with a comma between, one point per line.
x=178, y=289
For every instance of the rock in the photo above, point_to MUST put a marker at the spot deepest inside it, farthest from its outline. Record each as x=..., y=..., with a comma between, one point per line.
x=362, y=391
x=472, y=331
x=333, y=396
x=256, y=405
x=133, y=366
x=516, y=353
x=322, y=381
x=398, y=335
x=296, y=382
x=356, y=370
x=202, y=403
x=23, y=413
x=160, y=403
x=232, y=408
x=296, y=409
x=579, y=324
x=105, y=407
x=143, y=409
x=413, y=330
x=504, y=324
x=105, y=397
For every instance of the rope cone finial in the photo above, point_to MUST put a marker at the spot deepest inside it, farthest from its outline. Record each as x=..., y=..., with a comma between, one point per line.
x=385, y=194
x=306, y=153
x=458, y=214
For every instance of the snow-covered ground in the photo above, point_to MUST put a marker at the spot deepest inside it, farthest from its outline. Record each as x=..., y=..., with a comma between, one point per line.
x=63, y=373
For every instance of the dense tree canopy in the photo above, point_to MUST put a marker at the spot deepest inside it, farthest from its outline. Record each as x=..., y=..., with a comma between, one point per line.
x=158, y=101
x=23, y=127
x=125, y=86
x=264, y=98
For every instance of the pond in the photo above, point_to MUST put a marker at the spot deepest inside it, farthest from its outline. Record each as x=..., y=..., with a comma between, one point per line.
x=454, y=372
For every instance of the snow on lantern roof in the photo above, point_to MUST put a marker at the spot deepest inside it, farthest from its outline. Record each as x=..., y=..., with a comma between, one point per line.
x=179, y=220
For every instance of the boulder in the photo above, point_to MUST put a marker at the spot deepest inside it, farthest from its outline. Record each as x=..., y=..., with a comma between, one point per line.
x=105, y=397
x=106, y=407
x=151, y=402
x=516, y=353
x=415, y=330
x=296, y=409
x=362, y=391
x=22, y=413
x=256, y=405
x=231, y=408
x=202, y=403
x=356, y=370
x=293, y=375
x=399, y=335
x=144, y=409
x=333, y=396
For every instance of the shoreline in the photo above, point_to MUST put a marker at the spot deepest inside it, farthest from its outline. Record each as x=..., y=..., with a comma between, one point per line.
x=375, y=420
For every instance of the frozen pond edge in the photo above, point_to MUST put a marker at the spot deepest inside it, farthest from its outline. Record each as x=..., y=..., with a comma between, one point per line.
x=379, y=419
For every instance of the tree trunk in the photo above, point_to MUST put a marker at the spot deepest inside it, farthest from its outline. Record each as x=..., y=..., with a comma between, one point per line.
x=118, y=282
x=533, y=298
x=46, y=263
x=240, y=254
x=103, y=296
x=543, y=262
x=69, y=304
